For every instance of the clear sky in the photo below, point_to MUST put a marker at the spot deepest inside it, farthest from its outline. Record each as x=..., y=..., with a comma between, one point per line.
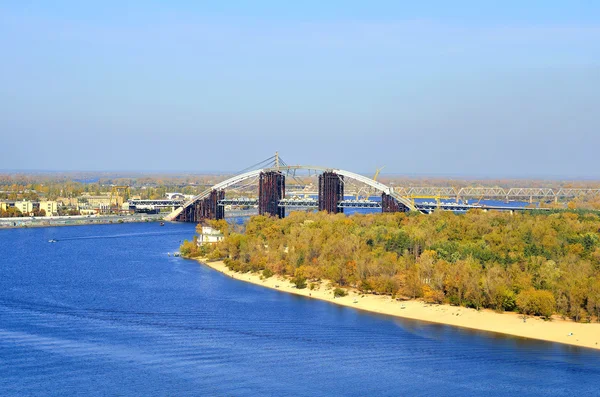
x=477, y=88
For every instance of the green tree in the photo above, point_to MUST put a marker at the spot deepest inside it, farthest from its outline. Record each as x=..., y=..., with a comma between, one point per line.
x=535, y=302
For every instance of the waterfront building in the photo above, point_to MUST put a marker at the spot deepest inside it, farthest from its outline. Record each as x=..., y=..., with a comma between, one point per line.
x=100, y=203
x=50, y=207
x=87, y=210
x=209, y=236
x=99, y=200
x=26, y=207
x=67, y=202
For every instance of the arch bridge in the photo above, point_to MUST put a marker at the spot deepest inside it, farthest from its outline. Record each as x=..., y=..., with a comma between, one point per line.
x=271, y=193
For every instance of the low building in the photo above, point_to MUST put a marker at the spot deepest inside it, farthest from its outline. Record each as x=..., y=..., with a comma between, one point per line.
x=100, y=203
x=97, y=201
x=209, y=236
x=26, y=207
x=49, y=207
x=67, y=202
x=84, y=210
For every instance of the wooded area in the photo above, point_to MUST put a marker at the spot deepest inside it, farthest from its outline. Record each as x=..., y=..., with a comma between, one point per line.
x=534, y=263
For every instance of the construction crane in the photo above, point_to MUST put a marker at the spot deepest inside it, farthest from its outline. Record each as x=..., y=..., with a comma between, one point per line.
x=377, y=171
x=116, y=192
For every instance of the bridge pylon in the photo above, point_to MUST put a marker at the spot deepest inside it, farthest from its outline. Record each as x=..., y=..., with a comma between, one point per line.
x=207, y=208
x=390, y=204
x=271, y=189
x=331, y=192
x=331, y=189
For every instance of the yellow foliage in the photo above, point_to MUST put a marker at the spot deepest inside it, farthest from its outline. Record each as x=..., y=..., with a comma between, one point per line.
x=478, y=259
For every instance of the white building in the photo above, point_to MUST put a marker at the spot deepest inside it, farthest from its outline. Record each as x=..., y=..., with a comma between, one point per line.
x=26, y=207
x=209, y=236
x=87, y=210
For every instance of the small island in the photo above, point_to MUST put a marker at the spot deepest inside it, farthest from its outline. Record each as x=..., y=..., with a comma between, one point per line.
x=534, y=275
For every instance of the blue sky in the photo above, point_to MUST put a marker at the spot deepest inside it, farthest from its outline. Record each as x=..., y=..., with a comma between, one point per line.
x=473, y=88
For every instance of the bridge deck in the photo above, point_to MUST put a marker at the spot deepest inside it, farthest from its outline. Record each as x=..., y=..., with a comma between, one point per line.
x=424, y=206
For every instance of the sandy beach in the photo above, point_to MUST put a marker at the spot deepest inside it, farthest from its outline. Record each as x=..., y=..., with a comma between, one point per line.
x=557, y=330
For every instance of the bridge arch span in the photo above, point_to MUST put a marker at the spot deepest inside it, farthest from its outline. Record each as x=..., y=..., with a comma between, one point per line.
x=289, y=168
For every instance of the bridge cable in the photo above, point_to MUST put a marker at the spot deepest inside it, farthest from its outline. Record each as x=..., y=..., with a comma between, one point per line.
x=293, y=176
x=269, y=161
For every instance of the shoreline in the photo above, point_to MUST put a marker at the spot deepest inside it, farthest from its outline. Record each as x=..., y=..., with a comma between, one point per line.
x=76, y=220
x=558, y=331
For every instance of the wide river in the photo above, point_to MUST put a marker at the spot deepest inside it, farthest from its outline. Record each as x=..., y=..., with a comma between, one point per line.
x=105, y=311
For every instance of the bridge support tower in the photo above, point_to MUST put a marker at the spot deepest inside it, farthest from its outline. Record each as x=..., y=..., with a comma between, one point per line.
x=207, y=208
x=271, y=189
x=331, y=192
x=390, y=204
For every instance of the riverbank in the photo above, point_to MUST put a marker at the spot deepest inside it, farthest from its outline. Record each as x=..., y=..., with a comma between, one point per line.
x=76, y=220
x=557, y=330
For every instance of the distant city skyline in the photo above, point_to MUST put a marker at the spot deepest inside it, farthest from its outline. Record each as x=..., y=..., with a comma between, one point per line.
x=460, y=89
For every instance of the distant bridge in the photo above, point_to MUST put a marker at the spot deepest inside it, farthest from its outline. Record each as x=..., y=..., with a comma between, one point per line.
x=493, y=193
x=514, y=193
x=424, y=206
x=147, y=205
x=271, y=179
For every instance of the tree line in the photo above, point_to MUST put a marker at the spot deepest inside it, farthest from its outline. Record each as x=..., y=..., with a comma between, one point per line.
x=533, y=262
x=13, y=212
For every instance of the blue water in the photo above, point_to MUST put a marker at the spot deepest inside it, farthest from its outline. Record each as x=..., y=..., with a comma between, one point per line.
x=105, y=311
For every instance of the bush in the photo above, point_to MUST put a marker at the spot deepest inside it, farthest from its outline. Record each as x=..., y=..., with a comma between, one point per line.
x=536, y=302
x=431, y=295
x=506, y=300
x=453, y=300
x=215, y=255
x=267, y=273
x=338, y=293
x=382, y=284
x=299, y=282
x=189, y=249
x=365, y=286
x=235, y=265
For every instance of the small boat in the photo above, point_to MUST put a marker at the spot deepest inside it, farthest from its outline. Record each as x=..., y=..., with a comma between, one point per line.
x=52, y=241
x=162, y=223
x=176, y=254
